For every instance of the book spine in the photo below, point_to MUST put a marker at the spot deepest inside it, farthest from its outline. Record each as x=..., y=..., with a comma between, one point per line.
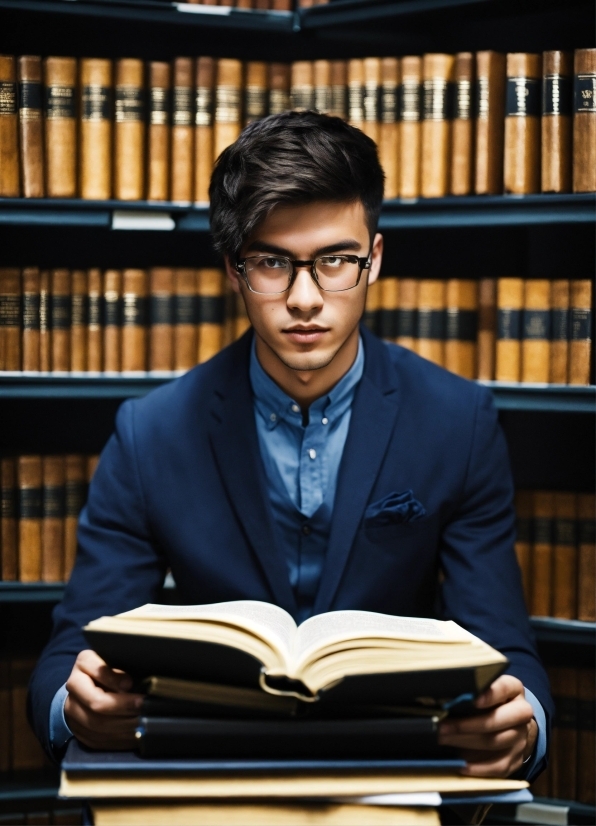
x=161, y=314
x=373, y=306
x=30, y=309
x=339, y=89
x=371, y=102
x=462, y=143
x=52, y=528
x=580, y=331
x=112, y=331
x=510, y=292
x=30, y=514
x=10, y=318
x=557, y=105
x=228, y=116
x=431, y=320
x=522, y=123
x=129, y=130
x=487, y=328
x=356, y=92
x=388, y=311
x=542, y=553
x=211, y=310
x=159, y=124
x=559, y=348
x=281, y=5
x=389, y=124
x=31, y=126
x=27, y=754
x=96, y=129
x=60, y=126
x=461, y=327
x=244, y=4
x=75, y=490
x=523, y=541
x=9, y=130
x=9, y=539
x=60, y=315
x=536, y=331
x=323, y=91
x=407, y=314
x=182, y=130
x=255, y=91
x=134, y=320
x=565, y=557
x=79, y=321
x=489, y=109
x=564, y=735
x=410, y=125
x=45, y=333
x=204, y=103
x=437, y=73
x=302, y=89
x=185, y=318
x=584, y=120
x=586, y=601
x=279, y=88
x=94, y=321
x=586, y=738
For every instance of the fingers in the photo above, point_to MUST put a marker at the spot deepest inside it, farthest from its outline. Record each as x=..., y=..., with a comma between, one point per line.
x=504, y=689
x=97, y=730
x=498, y=741
x=91, y=664
x=492, y=764
x=82, y=688
x=510, y=715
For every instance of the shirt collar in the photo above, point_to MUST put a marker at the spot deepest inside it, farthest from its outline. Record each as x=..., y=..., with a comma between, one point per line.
x=273, y=404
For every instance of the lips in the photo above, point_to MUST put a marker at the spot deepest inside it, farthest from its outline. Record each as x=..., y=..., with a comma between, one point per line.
x=305, y=335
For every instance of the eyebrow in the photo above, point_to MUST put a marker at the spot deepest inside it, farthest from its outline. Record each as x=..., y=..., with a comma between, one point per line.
x=346, y=244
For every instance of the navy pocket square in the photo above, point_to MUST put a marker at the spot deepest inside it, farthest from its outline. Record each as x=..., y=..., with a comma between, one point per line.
x=394, y=509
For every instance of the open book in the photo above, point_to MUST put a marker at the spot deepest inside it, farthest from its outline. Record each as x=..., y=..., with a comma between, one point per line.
x=362, y=656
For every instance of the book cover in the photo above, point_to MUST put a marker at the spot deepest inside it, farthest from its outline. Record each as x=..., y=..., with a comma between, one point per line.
x=9, y=539
x=372, y=76
x=112, y=317
x=31, y=126
x=302, y=89
x=186, y=318
x=129, y=130
x=60, y=126
x=584, y=120
x=10, y=318
x=437, y=74
x=228, y=115
x=339, y=89
x=490, y=120
x=431, y=320
x=9, y=130
x=389, y=128
x=522, y=123
x=60, y=319
x=134, y=321
x=462, y=143
x=461, y=326
x=410, y=117
x=159, y=124
x=536, y=331
x=255, y=91
x=510, y=298
x=30, y=509
x=204, y=111
x=559, y=346
x=356, y=92
x=161, y=319
x=79, y=321
x=407, y=314
x=580, y=331
x=322, y=82
x=279, y=88
x=487, y=328
x=388, y=311
x=97, y=93
x=211, y=309
x=557, y=106
x=45, y=332
x=52, y=526
x=94, y=320
x=181, y=191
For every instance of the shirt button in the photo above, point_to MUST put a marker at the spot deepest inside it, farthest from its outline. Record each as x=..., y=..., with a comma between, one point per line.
x=273, y=417
x=306, y=530
x=312, y=453
x=325, y=420
x=295, y=408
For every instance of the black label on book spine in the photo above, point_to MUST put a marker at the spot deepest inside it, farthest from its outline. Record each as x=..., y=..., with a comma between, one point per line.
x=8, y=97
x=587, y=531
x=44, y=311
x=356, y=102
x=509, y=324
x=560, y=324
x=438, y=94
x=543, y=530
x=10, y=310
x=388, y=323
x=60, y=312
x=79, y=309
x=30, y=100
x=112, y=307
x=524, y=529
x=75, y=495
x=389, y=109
x=462, y=325
x=134, y=313
x=31, y=311
x=60, y=102
x=30, y=503
x=130, y=104
x=203, y=106
x=53, y=501
x=303, y=97
x=159, y=106
x=407, y=323
x=371, y=102
x=183, y=106
x=255, y=103
x=95, y=310
x=186, y=309
x=212, y=309
x=161, y=309
x=462, y=109
x=564, y=532
x=536, y=324
x=522, y=97
x=580, y=324
x=338, y=101
x=565, y=712
x=9, y=503
x=431, y=324
x=586, y=715
x=96, y=102
x=584, y=93
x=556, y=95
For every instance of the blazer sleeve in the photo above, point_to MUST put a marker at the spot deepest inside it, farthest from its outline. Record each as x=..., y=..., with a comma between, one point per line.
x=482, y=587
x=118, y=566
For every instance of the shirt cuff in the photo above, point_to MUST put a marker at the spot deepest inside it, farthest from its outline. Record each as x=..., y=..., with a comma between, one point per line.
x=60, y=734
x=534, y=763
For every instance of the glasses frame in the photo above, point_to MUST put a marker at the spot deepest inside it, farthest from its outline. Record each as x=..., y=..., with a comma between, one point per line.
x=363, y=264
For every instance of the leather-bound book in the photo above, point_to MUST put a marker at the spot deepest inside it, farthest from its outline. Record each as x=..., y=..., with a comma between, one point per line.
x=29, y=477
x=564, y=735
x=241, y=319
x=279, y=88
x=129, y=130
x=586, y=599
x=31, y=287
x=204, y=102
x=27, y=754
x=372, y=95
x=487, y=328
x=228, y=98
x=60, y=127
x=10, y=318
x=490, y=122
x=45, y=332
x=60, y=315
x=580, y=331
x=339, y=89
x=557, y=106
x=52, y=527
x=134, y=320
x=158, y=131
x=356, y=92
x=96, y=128
x=586, y=745
x=211, y=291
x=185, y=318
x=281, y=5
x=388, y=311
x=565, y=557
x=322, y=81
x=407, y=314
x=389, y=125
x=431, y=320
x=302, y=88
x=522, y=123
x=75, y=493
x=112, y=318
x=542, y=553
x=410, y=126
x=584, y=120
x=536, y=330
x=510, y=299
x=559, y=347
x=9, y=130
x=244, y=4
x=461, y=326
x=161, y=319
x=94, y=321
x=9, y=539
x=437, y=73
x=462, y=137
x=31, y=126
x=372, y=307
x=78, y=321
x=182, y=182
x=524, y=511
x=255, y=91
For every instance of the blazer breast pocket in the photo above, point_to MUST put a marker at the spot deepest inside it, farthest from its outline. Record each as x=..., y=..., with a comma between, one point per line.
x=394, y=534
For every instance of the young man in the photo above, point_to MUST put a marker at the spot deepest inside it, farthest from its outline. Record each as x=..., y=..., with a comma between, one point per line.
x=309, y=464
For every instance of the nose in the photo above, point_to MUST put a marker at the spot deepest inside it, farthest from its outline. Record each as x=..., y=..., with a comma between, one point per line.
x=304, y=294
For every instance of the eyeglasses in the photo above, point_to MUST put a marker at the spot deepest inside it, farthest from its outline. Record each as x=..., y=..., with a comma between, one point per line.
x=274, y=274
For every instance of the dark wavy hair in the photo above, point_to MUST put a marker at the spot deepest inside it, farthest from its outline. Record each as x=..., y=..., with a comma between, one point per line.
x=291, y=159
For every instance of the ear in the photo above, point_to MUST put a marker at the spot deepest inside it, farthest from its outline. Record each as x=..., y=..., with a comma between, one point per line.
x=376, y=257
x=232, y=274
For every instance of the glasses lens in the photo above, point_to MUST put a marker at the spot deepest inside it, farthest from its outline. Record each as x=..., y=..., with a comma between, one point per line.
x=267, y=273
x=337, y=272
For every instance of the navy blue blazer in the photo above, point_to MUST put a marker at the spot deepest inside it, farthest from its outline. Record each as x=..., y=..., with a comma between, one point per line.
x=181, y=484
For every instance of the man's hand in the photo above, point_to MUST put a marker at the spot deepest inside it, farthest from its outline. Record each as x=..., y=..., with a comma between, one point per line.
x=99, y=710
x=496, y=742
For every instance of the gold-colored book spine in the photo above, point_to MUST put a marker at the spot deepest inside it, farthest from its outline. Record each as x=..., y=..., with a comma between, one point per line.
x=29, y=474
x=407, y=314
x=10, y=318
x=75, y=488
x=461, y=326
x=182, y=131
x=134, y=321
x=9, y=517
x=580, y=331
x=78, y=321
x=536, y=330
x=542, y=553
x=129, y=130
x=557, y=97
x=490, y=122
x=279, y=88
x=60, y=127
x=159, y=127
x=356, y=92
x=255, y=91
x=410, y=127
x=389, y=125
x=462, y=139
x=211, y=297
x=522, y=123
x=52, y=527
x=584, y=120
x=437, y=73
x=510, y=298
x=302, y=89
x=339, y=89
x=45, y=332
x=431, y=320
x=185, y=318
x=31, y=126
x=161, y=314
x=94, y=321
x=9, y=130
x=96, y=128
x=204, y=103
x=371, y=99
x=60, y=304
x=373, y=307
x=565, y=557
x=389, y=305
x=487, y=328
x=112, y=329
x=228, y=115
x=322, y=81
x=559, y=348
x=524, y=510
x=586, y=599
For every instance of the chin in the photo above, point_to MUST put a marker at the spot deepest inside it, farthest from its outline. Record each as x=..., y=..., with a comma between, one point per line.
x=306, y=361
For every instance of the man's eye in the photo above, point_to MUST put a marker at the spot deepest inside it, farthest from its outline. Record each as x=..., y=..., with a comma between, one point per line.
x=331, y=261
x=273, y=263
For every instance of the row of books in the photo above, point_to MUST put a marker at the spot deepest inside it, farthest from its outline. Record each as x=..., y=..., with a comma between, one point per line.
x=261, y=5
x=508, y=329
x=571, y=774
x=42, y=497
x=556, y=551
x=445, y=124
